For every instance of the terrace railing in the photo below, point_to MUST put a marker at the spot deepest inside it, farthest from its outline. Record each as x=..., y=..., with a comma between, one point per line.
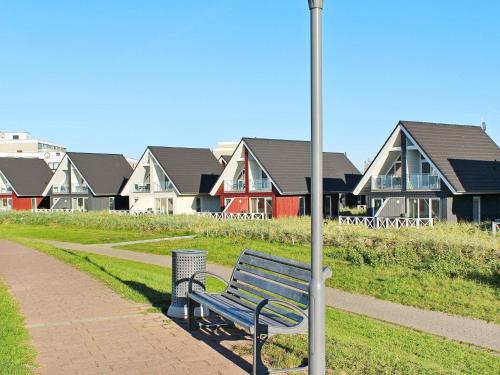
x=5, y=190
x=163, y=187
x=423, y=182
x=373, y=222
x=142, y=188
x=80, y=189
x=495, y=227
x=234, y=185
x=233, y=216
x=386, y=182
x=60, y=189
x=260, y=185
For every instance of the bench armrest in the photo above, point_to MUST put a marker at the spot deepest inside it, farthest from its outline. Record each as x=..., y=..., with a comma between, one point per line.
x=192, y=279
x=265, y=302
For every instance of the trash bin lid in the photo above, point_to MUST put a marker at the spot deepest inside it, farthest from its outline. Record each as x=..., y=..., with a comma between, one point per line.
x=189, y=252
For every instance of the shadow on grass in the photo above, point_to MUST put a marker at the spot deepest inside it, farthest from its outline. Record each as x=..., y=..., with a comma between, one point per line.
x=161, y=300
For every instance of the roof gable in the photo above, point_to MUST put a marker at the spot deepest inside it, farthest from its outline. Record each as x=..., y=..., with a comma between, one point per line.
x=191, y=170
x=28, y=177
x=465, y=155
x=105, y=174
x=288, y=165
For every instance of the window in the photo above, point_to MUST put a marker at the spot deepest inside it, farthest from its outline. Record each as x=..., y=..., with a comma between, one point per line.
x=227, y=202
x=262, y=206
x=395, y=169
x=80, y=204
x=15, y=137
x=302, y=206
x=476, y=209
x=424, y=208
x=111, y=203
x=33, y=204
x=376, y=204
x=198, y=204
x=170, y=206
x=327, y=210
x=5, y=204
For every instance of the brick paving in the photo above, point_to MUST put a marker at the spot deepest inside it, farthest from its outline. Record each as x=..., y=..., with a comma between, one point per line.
x=79, y=326
x=474, y=331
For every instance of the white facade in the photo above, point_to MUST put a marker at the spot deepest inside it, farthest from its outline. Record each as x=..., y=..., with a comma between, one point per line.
x=21, y=145
x=150, y=189
x=224, y=149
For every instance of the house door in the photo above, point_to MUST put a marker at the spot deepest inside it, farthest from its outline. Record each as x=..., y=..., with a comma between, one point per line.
x=327, y=210
x=476, y=209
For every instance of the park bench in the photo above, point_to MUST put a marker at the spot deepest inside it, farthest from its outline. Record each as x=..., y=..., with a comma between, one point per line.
x=266, y=295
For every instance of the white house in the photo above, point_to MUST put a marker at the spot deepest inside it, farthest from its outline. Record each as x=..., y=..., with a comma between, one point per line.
x=174, y=181
x=21, y=145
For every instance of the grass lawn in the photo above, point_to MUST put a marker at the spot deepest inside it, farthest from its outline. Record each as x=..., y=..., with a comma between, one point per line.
x=355, y=344
x=16, y=354
x=396, y=283
x=72, y=234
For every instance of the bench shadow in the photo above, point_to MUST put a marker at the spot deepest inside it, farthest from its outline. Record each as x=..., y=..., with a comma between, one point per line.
x=214, y=338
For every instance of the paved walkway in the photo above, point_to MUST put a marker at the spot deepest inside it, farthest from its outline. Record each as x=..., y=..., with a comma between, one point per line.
x=458, y=328
x=79, y=326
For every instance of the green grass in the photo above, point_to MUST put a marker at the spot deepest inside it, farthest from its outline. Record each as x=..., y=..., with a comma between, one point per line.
x=355, y=345
x=17, y=357
x=415, y=287
x=72, y=234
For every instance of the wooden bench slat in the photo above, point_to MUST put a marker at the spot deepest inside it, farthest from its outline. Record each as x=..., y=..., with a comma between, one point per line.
x=269, y=286
x=266, y=316
x=282, y=269
x=274, y=258
x=294, y=284
x=235, y=290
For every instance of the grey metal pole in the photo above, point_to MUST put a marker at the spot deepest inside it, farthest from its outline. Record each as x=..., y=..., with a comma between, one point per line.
x=317, y=361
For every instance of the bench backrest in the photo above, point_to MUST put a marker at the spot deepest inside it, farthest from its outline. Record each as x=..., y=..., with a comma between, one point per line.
x=258, y=276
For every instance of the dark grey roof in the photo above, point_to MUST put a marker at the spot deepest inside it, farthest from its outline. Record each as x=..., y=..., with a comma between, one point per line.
x=28, y=177
x=289, y=166
x=106, y=174
x=226, y=158
x=466, y=156
x=192, y=170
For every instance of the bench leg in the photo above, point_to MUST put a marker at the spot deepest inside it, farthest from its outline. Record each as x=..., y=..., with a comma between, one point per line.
x=192, y=323
x=259, y=338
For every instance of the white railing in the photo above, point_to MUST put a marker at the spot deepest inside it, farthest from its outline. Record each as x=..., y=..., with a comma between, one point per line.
x=60, y=189
x=423, y=182
x=133, y=213
x=495, y=227
x=4, y=190
x=142, y=188
x=234, y=185
x=262, y=184
x=386, y=182
x=386, y=222
x=161, y=187
x=233, y=216
x=80, y=189
x=49, y=210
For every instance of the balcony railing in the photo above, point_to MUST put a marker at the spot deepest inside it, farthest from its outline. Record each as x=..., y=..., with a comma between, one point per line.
x=142, y=188
x=163, y=187
x=423, y=182
x=4, y=190
x=60, y=189
x=80, y=189
x=260, y=185
x=386, y=182
x=234, y=185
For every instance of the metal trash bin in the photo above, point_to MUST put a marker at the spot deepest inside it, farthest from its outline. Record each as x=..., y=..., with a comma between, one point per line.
x=184, y=264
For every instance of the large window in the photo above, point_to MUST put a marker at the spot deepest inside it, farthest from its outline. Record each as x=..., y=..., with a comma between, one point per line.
x=262, y=206
x=424, y=208
x=80, y=204
x=5, y=204
x=302, y=206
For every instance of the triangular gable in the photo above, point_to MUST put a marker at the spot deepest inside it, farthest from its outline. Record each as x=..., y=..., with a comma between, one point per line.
x=59, y=170
x=379, y=160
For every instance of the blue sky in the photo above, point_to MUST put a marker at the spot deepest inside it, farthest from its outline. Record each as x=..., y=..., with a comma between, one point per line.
x=116, y=76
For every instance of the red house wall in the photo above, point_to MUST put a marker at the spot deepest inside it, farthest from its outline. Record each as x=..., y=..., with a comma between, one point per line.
x=22, y=203
x=286, y=206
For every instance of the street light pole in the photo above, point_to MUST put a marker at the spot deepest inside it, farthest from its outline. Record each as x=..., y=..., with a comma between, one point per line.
x=317, y=362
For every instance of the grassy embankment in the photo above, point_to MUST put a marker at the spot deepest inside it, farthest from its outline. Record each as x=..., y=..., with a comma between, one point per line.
x=16, y=354
x=450, y=268
x=355, y=345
